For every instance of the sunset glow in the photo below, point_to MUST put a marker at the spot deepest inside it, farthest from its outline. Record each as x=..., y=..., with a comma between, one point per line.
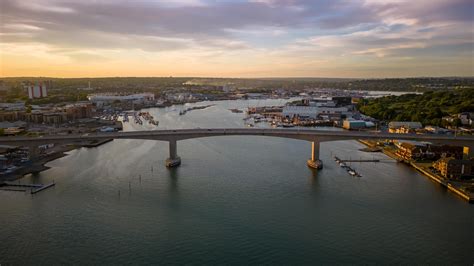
x=236, y=38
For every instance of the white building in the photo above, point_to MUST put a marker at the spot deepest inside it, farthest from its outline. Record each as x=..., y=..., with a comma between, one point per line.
x=312, y=111
x=109, y=97
x=37, y=91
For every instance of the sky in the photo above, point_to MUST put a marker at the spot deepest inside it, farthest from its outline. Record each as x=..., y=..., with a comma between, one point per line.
x=237, y=38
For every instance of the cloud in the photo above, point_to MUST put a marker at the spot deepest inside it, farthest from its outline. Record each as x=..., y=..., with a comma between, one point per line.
x=315, y=31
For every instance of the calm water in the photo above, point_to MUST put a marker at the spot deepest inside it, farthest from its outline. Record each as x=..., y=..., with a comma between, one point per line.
x=234, y=200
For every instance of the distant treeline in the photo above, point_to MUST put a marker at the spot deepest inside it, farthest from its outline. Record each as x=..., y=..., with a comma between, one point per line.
x=427, y=108
x=160, y=83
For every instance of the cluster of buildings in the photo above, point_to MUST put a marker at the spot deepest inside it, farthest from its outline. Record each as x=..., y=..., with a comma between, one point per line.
x=408, y=127
x=404, y=127
x=327, y=108
x=452, y=168
x=103, y=99
x=11, y=156
x=424, y=151
x=450, y=162
x=49, y=115
x=465, y=119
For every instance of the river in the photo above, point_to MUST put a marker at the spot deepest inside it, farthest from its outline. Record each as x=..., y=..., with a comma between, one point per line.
x=234, y=200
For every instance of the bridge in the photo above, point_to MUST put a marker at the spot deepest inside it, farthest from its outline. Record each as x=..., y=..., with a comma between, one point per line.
x=173, y=136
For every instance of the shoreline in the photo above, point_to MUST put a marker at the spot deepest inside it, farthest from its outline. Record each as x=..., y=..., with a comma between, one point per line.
x=438, y=179
x=39, y=165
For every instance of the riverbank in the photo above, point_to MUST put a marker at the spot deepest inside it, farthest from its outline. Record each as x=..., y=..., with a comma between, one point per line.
x=456, y=187
x=39, y=165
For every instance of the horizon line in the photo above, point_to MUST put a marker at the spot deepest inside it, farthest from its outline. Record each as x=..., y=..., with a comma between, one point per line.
x=248, y=78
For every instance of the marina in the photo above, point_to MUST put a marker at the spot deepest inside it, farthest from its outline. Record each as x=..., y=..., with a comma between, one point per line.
x=237, y=204
x=351, y=171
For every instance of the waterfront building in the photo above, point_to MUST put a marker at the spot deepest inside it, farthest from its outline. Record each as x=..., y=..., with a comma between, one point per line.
x=420, y=151
x=313, y=112
x=410, y=151
x=356, y=124
x=450, y=167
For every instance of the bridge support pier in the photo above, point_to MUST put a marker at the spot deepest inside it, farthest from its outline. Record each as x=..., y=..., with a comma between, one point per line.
x=174, y=160
x=315, y=162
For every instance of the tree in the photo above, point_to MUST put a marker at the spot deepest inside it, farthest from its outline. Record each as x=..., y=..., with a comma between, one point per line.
x=457, y=122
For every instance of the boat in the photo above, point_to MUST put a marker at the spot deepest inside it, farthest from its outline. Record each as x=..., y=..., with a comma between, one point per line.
x=352, y=172
x=235, y=110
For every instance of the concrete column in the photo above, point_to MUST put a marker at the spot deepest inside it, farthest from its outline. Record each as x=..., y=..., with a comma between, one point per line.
x=314, y=150
x=315, y=162
x=173, y=149
x=174, y=160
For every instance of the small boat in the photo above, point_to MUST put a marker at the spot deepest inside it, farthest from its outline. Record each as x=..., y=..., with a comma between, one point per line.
x=235, y=110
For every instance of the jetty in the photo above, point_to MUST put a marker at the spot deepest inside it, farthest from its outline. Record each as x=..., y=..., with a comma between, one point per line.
x=34, y=188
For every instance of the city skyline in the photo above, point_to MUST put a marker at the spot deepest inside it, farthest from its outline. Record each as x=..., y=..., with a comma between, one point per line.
x=260, y=38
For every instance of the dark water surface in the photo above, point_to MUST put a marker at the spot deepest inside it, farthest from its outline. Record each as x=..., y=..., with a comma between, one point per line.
x=234, y=200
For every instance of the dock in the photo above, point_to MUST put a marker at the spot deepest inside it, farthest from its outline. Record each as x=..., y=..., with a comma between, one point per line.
x=34, y=188
x=359, y=161
x=34, y=191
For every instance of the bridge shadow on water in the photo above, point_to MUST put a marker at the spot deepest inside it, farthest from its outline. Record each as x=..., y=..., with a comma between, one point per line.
x=313, y=177
x=173, y=188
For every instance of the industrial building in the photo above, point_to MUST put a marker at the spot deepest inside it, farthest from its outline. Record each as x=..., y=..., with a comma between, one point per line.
x=313, y=112
x=357, y=124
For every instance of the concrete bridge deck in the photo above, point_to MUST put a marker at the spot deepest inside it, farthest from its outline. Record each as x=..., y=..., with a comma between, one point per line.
x=174, y=135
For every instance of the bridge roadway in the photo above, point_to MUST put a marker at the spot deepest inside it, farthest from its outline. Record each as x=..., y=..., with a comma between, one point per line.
x=172, y=136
